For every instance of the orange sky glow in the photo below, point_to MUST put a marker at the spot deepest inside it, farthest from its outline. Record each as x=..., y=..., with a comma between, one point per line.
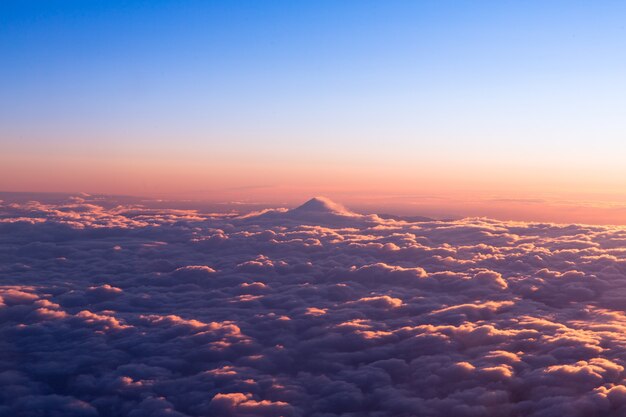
x=441, y=189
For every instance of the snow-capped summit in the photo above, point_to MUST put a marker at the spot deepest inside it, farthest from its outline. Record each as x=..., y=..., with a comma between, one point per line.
x=316, y=211
x=322, y=210
x=321, y=205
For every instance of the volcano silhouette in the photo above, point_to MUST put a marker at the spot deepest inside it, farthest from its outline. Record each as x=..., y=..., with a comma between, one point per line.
x=322, y=210
x=321, y=206
x=316, y=211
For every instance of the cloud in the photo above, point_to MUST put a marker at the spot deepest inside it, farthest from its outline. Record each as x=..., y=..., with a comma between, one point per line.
x=128, y=310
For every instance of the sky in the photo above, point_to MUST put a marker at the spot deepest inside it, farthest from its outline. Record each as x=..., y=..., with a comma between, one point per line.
x=506, y=109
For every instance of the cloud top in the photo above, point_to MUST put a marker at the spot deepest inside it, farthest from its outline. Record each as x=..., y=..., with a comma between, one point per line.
x=127, y=310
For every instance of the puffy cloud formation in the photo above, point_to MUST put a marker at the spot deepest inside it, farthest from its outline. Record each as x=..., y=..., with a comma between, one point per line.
x=126, y=310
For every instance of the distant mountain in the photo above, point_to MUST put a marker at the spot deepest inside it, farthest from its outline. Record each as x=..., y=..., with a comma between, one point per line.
x=321, y=206
x=316, y=211
x=323, y=211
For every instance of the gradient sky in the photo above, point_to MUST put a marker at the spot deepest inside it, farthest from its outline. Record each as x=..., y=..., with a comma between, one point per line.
x=501, y=108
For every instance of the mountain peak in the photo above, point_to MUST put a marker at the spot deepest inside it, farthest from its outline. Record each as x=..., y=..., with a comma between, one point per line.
x=322, y=205
x=316, y=211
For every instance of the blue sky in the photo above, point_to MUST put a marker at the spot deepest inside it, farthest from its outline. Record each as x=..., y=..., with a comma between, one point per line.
x=527, y=84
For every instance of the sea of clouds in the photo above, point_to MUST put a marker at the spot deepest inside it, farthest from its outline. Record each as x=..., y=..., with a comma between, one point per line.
x=135, y=311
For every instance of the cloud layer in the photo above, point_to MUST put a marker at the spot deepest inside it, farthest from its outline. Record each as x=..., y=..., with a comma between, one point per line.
x=134, y=311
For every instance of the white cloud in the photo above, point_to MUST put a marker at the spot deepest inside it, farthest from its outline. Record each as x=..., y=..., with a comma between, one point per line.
x=132, y=311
